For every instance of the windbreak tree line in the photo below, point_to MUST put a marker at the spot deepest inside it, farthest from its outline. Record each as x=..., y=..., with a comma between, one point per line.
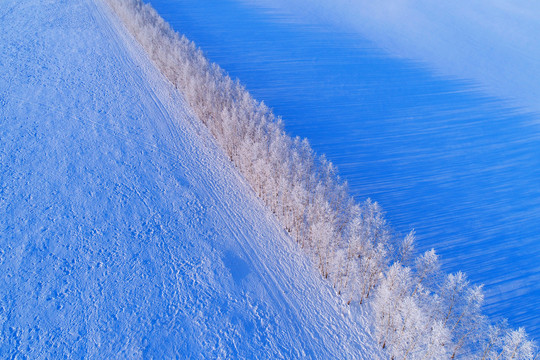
x=418, y=311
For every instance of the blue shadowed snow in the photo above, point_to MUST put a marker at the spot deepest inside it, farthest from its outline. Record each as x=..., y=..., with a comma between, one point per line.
x=237, y=266
x=459, y=167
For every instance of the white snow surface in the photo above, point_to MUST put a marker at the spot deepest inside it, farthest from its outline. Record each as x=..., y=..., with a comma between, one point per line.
x=493, y=43
x=124, y=230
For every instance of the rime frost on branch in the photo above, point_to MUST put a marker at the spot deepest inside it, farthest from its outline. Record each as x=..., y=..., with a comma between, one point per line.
x=417, y=312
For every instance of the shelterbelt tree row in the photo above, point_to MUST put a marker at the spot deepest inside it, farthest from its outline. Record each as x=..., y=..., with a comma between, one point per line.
x=416, y=310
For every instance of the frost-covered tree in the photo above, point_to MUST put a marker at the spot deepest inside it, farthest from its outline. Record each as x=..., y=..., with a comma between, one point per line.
x=427, y=268
x=402, y=323
x=502, y=343
x=516, y=345
x=406, y=248
x=459, y=309
x=388, y=304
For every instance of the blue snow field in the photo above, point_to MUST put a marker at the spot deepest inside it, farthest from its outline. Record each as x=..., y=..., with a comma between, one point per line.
x=440, y=157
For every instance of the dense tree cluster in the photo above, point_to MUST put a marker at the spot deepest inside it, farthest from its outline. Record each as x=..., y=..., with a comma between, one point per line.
x=418, y=312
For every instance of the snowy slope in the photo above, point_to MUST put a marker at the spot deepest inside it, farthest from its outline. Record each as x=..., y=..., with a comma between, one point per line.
x=124, y=230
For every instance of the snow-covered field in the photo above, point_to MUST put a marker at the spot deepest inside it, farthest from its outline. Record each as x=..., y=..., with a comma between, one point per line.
x=124, y=230
x=438, y=154
x=493, y=43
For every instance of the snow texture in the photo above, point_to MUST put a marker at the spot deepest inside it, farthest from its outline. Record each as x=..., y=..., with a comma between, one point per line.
x=125, y=232
x=491, y=42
